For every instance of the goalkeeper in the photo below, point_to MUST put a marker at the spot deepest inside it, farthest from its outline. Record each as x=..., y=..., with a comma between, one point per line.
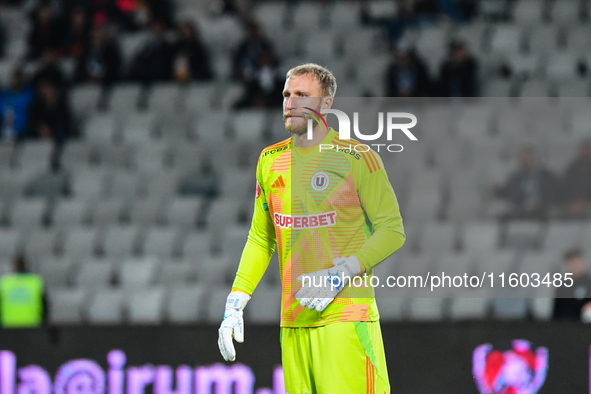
x=330, y=212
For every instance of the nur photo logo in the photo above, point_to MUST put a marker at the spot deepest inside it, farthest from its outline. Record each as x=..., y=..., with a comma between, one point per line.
x=344, y=130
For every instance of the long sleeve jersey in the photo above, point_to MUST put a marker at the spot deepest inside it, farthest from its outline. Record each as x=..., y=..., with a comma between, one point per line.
x=335, y=201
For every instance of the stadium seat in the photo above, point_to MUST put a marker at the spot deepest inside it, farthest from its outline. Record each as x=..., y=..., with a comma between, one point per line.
x=115, y=157
x=265, y=305
x=66, y=305
x=94, y=274
x=69, y=212
x=541, y=262
x=474, y=306
x=578, y=39
x=138, y=272
x=248, y=125
x=27, y=213
x=186, y=304
x=100, y=128
x=498, y=88
x=528, y=12
x=9, y=243
x=507, y=40
x=480, y=237
x=151, y=156
x=106, y=307
x=56, y=272
x=84, y=99
x=439, y=238
x=146, y=212
x=80, y=242
x=542, y=305
x=215, y=269
x=120, y=241
x=123, y=185
x=543, y=40
x=525, y=66
x=35, y=156
x=6, y=153
x=561, y=236
x=200, y=98
x=510, y=308
x=41, y=243
x=138, y=128
x=183, y=211
x=146, y=306
x=566, y=12
x=579, y=122
x=107, y=211
x=124, y=98
x=76, y=154
x=496, y=262
x=165, y=98
x=453, y=263
x=535, y=88
x=523, y=234
x=426, y=309
x=177, y=272
x=196, y=246
x=162, y=242
x=573, y=88
x=561, y=66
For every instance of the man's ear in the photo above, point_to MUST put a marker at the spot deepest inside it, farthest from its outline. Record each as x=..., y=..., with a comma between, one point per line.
x=327, y=103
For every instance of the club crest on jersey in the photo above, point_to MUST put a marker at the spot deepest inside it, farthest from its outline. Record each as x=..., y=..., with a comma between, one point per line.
x=320, y=181
x=258, y=191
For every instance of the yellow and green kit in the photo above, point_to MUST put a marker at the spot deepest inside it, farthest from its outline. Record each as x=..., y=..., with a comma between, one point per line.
x=317, y=204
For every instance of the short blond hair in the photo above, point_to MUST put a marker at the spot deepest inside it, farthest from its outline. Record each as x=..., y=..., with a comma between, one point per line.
x=328, y=82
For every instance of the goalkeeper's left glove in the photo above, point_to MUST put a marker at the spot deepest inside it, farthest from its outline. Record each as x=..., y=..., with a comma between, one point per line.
x=232, y=326
x=320, y=296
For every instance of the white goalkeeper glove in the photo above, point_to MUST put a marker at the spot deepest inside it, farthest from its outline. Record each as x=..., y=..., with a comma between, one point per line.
x=321, y=287
x=232, y=326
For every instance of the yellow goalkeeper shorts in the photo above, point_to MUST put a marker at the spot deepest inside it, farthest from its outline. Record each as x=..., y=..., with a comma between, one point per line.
x=343, y=357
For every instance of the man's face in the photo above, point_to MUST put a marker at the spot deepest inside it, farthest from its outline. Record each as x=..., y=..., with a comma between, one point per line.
x=299, y=92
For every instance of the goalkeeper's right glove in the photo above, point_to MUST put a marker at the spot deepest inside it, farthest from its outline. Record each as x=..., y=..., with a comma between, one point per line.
x=232, y=326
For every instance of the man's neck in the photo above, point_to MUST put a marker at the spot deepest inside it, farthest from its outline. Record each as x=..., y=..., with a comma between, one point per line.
x=318, y=135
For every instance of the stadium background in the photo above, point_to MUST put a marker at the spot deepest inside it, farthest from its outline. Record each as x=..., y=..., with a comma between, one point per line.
x=135, y=212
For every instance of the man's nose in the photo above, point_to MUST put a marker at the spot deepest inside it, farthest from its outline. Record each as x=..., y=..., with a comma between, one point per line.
x=291, y=102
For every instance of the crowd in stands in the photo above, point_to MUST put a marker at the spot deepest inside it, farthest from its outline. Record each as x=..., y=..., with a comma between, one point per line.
x=535, y=192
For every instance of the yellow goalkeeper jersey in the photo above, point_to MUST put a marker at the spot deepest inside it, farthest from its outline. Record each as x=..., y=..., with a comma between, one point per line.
x=335, y=201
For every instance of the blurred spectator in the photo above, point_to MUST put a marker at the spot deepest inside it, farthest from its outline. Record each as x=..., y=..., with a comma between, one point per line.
x=50, y=115
x=77, y=32
x=2, y=40
x=153, y=62
x=222, y=7
x=530, y=190
x=14, y=106
x=22, y=298
x=458, y=75
x=407, y=75
x=247, y=56
x=190, y=59
x=161, y=9
x=202, y=181
x=577, y=183
x=264, y=88
x=50, y=70
x=46, y=33
x=101, y=59
x=569, y=301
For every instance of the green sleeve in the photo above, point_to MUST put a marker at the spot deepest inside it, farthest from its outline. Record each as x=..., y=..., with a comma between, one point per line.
x=383, y=213
x=260, y=245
